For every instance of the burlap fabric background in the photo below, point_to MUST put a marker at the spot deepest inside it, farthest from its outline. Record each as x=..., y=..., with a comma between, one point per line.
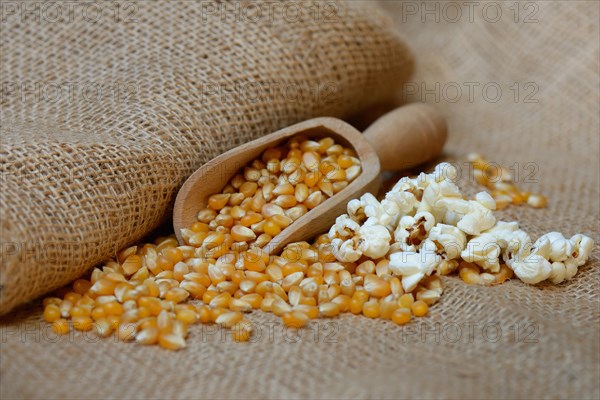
x=106, y=113
x=510, y=341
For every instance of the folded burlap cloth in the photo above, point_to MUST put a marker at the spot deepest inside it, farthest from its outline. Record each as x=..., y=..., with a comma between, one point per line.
x=106, y=113
x=98, y=174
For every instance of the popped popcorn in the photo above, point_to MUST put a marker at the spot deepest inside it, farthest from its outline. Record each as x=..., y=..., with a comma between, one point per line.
x=452, y=239
x=484, y=251
x=374, y=240
x=414, y=266
x=424, y=225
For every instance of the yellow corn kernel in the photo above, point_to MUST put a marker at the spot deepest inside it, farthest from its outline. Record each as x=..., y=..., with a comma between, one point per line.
x=103, y=327
x=229, y=319
x=237, y=181
x=283, y=221
x=396, y=287
x=52, y=313
x=296, y=212
x=343, y=301
x=239, y=305
x=240, y=233
x=371, y=309
x=199, y=227
x=280, y=307
x=206, y=215
x=217, y=201
x=406, y=300
x=365, y=268
x=170, y=341
x=271, y=228
x=103, y=287
x=313, y=200
x=537, y=201
x=295, y=319
x=82, y=323
x=188, y=317
x=52, y=300
x=248, y=189
x=220, y=300
x=344, y=161
x=113, y=308
x=242, y=331
x=420, y=308
x=469, y=276
x=375, y=286
x=285, y=201
x=250, y=219
x=301, y=191
x=334, y=150
x=123, y=254
x=81, y=286
x=401, y=316
x=329, y=309
x=284, y=189
x=311, y=160
x=387, y=306
x=132, y=264
x=60, y=326
x=338, y=186
x=224, y=220
x=147, y=336
x=98, y=313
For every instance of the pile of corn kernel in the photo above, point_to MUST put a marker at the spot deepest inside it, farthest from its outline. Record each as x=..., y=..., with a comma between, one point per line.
x=383, y=259
x=500, y=182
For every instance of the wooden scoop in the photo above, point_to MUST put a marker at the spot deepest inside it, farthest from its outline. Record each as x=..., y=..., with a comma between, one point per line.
x=402, y=138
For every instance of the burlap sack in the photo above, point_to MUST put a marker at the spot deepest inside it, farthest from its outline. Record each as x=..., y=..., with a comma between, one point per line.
x=510, y=341
x=107, y=110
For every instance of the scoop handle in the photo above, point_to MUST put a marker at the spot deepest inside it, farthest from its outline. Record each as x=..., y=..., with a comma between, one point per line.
x=407, y=136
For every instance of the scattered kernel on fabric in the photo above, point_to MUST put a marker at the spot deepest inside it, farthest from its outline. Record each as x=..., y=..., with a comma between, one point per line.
x=383, y=259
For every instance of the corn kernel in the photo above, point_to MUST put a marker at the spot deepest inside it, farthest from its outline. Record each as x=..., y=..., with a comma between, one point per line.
x=420, y=308
x=60, y=326
x=401, y=316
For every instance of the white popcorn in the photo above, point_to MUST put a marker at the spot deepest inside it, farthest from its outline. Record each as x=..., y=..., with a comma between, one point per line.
x=414, y=266
x=486, y=200
x=400, y=201
x=344, y=227
x=558, y=273
x=432, y=196
x=345, y=251
x=368, y=206
x=581, y=248
x=355, y=210
x=411, y=229
x=503, y=232
x=561, y=248
x=484, y=251
x=478, y=218
x=424, y=223
x=566, y=255
x=519, y=247
x=374, y=240
x=532, y=269
x=452, y=239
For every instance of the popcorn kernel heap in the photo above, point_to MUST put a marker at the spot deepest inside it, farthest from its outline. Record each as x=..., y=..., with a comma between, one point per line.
x=500, y=181
x=383, y=259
